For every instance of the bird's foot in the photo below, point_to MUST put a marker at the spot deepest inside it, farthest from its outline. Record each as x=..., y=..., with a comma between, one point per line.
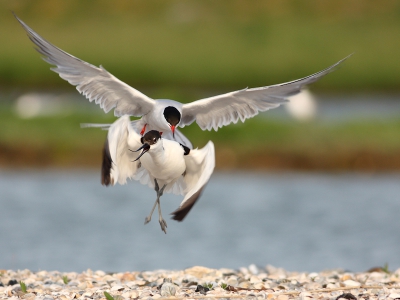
x=147, y=220
x=156, y=187
x=163, y=225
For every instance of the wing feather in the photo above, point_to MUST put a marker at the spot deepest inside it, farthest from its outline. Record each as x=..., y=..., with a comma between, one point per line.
x=95, y=83
x=214, y=112
x=200, y=165
x=122, y=137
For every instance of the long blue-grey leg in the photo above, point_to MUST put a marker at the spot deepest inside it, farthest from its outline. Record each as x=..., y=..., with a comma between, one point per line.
x=159, y=192
x=156, y=188
x=163, y=224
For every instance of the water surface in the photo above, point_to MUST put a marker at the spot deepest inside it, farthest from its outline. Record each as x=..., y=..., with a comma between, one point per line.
x=67, y=221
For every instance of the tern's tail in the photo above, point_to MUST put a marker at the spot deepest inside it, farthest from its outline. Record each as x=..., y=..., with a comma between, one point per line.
x=89, y=125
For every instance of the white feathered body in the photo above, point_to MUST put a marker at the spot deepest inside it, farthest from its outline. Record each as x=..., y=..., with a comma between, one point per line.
x=165, y=162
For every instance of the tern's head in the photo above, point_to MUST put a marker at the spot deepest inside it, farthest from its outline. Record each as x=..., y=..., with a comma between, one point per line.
x=173, y=117
x=149, y=140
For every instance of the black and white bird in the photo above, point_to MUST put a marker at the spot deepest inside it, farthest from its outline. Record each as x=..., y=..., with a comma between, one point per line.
x=165, y=165
x=163, y=115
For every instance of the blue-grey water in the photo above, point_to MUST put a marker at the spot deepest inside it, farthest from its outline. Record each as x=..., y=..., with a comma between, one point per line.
x=67, y=221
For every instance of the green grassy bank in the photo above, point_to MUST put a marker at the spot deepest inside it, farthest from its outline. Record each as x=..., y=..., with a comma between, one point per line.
x=259, y=143
x=208, y=44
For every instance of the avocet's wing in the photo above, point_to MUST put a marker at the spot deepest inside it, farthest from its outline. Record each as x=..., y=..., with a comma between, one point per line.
x=118, y=160
x=214, y=112
x=95, y=83
x=200, y=165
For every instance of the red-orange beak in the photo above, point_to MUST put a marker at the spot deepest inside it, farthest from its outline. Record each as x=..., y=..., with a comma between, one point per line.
x=173, y=130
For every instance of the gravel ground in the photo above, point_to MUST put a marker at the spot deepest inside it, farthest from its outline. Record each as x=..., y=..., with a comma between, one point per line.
x=252, y=283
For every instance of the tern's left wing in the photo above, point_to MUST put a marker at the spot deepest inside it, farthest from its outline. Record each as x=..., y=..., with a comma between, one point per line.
x=214, y=112
x=200, y=165
x=95, y=83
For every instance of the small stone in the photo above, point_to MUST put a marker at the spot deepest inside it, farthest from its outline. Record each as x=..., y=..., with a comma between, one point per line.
x=350, y=283
x=251, y=297
x=346, y=277
x=140, y=282
x=254, y=279
x=282, y=297
x=55, y=287
x=232, y=281
x=198, y=271
x=100, y=273
x=258, y=285
x=82, y=286
x=201, y=289
x=117, y=288
x=312, y=286
x=28, y=296
x=128, y=277
x=394, y=295
x=348, y=296
x=253, y=269
x=12, y=282
x=168, y=289
x=244, y=284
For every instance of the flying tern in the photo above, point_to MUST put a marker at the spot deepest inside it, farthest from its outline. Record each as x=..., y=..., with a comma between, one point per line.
x=164, y=115
x=164, y=165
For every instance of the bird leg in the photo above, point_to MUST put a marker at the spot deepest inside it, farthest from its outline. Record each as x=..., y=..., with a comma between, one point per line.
x=159, y=192
x=143, y=129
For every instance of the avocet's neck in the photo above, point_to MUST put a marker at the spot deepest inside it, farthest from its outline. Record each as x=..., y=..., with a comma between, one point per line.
x=157, y=153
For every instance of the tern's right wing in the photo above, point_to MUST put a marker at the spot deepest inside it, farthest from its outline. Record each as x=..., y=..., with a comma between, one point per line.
x=215, y=112
x=200, y=165
x=96, y=84
x=118, y=160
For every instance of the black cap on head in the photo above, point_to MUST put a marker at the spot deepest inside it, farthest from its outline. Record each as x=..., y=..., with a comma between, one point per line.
x=172, y=115
x=151, y=137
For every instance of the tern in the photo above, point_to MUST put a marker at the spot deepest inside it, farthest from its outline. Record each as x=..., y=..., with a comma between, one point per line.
x=164, y=165
x=164, y=115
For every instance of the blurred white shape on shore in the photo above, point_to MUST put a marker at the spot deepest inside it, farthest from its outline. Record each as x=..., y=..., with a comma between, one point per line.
x=32, y=105
x=302, y=106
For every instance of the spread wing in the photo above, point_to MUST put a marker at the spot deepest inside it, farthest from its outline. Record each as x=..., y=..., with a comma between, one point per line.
x=95, y=83
x=122, y=137
x=214, y=112
x=200, y=165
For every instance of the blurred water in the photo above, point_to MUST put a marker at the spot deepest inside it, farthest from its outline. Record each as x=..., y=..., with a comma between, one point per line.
x=67, y=221
x=328, y=107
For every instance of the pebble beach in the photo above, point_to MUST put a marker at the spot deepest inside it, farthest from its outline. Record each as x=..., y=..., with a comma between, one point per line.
x=252, y=283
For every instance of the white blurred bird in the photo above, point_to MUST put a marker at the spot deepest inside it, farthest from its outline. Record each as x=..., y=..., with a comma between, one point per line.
x=164, y=165
x=166, y=115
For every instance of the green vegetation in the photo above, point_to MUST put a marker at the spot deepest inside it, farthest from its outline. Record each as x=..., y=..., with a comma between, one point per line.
x=385, y=268
x=108, y=296
x=65, y=279
x=209, y=285
x=180, y=45
x=23, y=286
x=258, y=143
